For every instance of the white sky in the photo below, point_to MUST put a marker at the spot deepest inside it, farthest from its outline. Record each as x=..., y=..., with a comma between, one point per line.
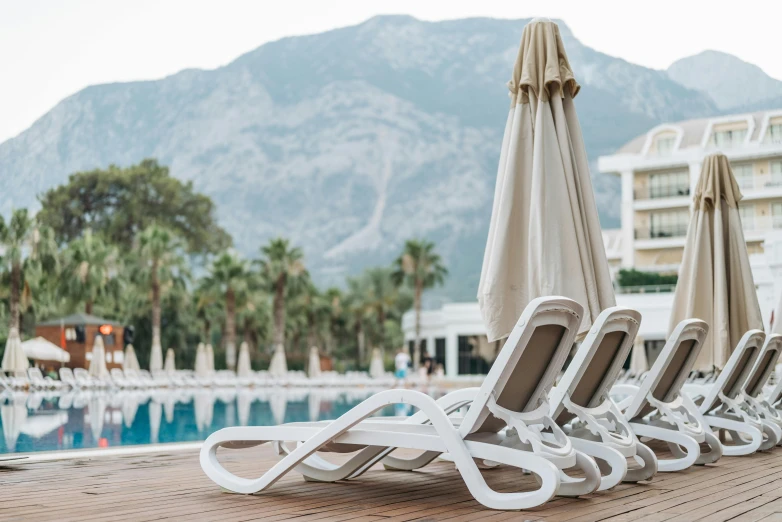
x=50, y=49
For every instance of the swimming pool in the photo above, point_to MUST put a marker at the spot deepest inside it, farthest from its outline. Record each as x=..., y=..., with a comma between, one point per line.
x=41, y=422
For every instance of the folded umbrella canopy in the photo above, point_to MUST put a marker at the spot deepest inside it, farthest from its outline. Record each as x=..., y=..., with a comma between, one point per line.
x=156, y=355
x=170, y=366
x=544, y=236
x=130, y=362
x=14, y=359
x=98, y=362
x=715, y=280
x=243, y=367
x=40, y=349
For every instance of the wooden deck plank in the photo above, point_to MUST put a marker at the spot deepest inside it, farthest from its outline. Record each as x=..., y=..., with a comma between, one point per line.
x=173, y=487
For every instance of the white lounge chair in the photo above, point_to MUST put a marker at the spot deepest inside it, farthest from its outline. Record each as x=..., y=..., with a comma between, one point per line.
x=120, y=381
x=581, y=403
x=67, y=378
x=657, y=409
x=752, y=391
x=513, y=394
x=722, y=408
x=37, y=380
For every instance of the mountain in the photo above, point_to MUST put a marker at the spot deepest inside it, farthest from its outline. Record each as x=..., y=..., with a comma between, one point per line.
x=349, y=141
x=729, y=81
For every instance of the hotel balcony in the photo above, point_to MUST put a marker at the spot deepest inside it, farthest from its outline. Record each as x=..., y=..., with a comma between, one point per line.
x=659, y=232
x=657, y=197
x=756, y=228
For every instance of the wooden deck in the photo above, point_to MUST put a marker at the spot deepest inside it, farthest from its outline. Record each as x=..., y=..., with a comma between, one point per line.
x=172, y=486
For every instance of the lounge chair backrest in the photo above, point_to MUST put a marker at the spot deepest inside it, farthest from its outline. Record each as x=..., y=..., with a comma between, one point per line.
x=732, y=378
x=597, y=362
x=117, y=374
x=35, y=374
x=671, y=368
x=528, y=363
x=81, y=373
x=66, y=375
x=765, y=364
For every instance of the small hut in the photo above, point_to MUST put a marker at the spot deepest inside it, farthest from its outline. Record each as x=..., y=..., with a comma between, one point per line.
x=76, y=334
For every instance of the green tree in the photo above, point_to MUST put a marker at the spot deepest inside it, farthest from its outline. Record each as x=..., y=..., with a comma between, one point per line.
x=160, y=266
x=382, y=296
x=118, y=203
x=230, y=277
x=24, y=244
x=89, y=272
x=359, y=313
x=282, y=266
x=418, y=267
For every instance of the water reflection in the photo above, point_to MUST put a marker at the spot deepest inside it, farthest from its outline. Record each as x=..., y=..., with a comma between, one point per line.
x=89, y=419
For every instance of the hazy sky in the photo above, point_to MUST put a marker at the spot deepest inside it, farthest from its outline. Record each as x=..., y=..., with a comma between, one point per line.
x=50, y=49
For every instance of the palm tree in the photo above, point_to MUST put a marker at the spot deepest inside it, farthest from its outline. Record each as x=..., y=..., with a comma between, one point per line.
x=335, y=302
x=230, y=277
x=382, y=297
x=419, y=267
x=24, y=244
x=281, y=266
x=161, y=265
x=90, y=269
x=359, y=312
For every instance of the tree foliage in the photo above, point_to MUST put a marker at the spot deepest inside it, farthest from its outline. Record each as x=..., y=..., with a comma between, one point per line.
x=117, y=203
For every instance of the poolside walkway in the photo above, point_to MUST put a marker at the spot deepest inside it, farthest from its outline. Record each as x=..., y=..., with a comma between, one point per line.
x=160, y=486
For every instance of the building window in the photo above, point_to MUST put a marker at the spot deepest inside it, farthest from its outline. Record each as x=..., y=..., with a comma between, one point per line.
x=776, y=174
x=664, y=145
x=669, y=184
x=728, y=138
x=774, y=133
x=439, y=352
x=411, y=349
x=747, y=213
x=665, y=224
x=776, y=215
x=476, y=354
x=744, y=176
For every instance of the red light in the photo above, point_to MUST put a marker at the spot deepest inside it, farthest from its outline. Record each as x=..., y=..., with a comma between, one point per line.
x=105, y=329
x=103, y=442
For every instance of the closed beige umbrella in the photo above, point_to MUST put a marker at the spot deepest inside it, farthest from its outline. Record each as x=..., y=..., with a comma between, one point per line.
x=130, y=361
x=376, y=367
x=201, y=364
x=14, y=359
x=314, y=363
x=98, y=362
x=278, y=366
x=210, y=358
x=156, y=355
x=715, y=279
x=170, y=366
x=544, y=235
x=243, y=367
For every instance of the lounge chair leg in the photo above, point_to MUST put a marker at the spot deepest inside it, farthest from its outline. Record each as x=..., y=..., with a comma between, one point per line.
x=683, y=443
x=739, y=445
x=392, y=463
x=649, y=468
x=773, y=435
x=576, y=487
x=715, y=450
x=611, y=463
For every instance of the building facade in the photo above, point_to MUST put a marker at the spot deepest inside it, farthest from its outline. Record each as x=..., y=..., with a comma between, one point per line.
x=659, y=172
x=660, y=169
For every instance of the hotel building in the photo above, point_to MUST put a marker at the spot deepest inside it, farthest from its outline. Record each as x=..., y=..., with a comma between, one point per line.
x=659, y=171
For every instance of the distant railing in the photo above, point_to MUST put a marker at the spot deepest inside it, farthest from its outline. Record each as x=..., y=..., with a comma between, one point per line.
x=661, y=232
x=665, y=191
x=645, y=289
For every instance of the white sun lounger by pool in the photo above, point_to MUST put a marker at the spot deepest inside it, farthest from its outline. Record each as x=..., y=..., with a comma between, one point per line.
x=514, y=394
x=722, y=408
x=38, y=381
x=752, y=391
x=657, y=409
x=581, y=403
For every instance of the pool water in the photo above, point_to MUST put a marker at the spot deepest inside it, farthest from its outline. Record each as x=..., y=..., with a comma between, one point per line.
x=41, y=422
